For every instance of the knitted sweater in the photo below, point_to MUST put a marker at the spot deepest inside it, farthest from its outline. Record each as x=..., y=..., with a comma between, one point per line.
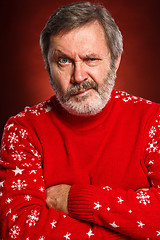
x=106, y=158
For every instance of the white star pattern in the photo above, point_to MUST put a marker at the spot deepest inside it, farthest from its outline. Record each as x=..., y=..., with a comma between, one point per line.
x=97, y=205
x=53, y=223
x=140, y=224
x=42, y=189
x=114, y=225
x=130, y=211
x=108, y=209
x=18, y=171
x=90, y=233
x=67, y=236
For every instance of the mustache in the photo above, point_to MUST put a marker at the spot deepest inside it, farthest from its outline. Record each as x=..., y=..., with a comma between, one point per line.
x=80, y=87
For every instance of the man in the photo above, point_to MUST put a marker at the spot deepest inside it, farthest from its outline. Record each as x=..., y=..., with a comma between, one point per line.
x=86, y=163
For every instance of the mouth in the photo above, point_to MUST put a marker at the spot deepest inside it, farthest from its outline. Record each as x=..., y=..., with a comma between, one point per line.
x=82, y=92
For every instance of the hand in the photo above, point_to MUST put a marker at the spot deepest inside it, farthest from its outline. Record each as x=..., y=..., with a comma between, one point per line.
x=57, y=197
x=143, y=189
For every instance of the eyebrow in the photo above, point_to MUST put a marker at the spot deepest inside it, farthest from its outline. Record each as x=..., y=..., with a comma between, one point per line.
x=56, y=52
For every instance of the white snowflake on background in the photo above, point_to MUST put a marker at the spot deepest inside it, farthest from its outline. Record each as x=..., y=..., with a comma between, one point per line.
x=120, y=200
x=23, y=133
x=9, y=200
x=14, y=232
x=97, y=205
x=67, y=236
x=33, y=218
x=14, y=217
x=152, y=132
x=152, y=146
x=53, y=223
x=107, y=188
x=12, y=137
x=19, y=185
x=140, y=224
x=143, y=197
x=41, y=238
x=27, y=197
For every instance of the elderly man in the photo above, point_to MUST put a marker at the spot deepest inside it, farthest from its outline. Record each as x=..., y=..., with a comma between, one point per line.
x=86, y=163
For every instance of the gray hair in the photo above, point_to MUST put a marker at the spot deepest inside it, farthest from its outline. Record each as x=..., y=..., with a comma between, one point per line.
x=75, y=15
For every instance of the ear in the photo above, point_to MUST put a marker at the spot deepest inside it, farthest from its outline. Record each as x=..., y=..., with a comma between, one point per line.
x=118, y=60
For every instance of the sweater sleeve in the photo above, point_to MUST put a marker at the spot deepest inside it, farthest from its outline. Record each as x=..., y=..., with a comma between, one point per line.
x=23, y=211
x=132, y=213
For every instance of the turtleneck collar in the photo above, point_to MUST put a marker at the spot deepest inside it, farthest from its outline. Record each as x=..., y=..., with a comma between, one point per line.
x=82, y=122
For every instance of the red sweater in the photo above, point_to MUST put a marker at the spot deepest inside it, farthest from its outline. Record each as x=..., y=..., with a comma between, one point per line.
x=106, y=158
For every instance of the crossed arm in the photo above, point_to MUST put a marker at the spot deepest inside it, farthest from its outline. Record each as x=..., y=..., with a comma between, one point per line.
x=57, y=197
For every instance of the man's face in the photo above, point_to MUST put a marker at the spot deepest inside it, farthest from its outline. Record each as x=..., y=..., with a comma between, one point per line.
x=81, y=76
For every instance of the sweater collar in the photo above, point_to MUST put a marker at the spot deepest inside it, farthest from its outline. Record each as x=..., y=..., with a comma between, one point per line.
x=82, y=122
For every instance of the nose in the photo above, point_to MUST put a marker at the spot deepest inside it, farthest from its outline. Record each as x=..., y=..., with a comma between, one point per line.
x=79, y=73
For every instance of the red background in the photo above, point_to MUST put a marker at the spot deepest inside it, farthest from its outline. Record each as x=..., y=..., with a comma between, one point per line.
x=24, y=80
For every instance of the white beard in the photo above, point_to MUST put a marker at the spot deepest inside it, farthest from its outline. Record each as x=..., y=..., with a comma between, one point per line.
x=82, y=106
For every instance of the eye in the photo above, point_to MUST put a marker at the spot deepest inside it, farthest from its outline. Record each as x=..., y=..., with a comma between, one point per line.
x=63, y=60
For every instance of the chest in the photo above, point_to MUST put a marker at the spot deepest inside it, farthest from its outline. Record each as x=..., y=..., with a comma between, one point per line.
x=104, y=157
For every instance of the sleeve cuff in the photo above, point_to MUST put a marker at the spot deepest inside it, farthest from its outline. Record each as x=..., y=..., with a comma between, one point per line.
x=80, y=202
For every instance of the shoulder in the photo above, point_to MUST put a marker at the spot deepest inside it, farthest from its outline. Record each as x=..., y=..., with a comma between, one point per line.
x=130, y=101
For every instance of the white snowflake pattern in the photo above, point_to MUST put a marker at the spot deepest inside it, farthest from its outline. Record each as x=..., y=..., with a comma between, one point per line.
x=97, y=205
x=67, y=236
x=14, y=232
x=143, y=197
x=114, y=225
x=9, y=126
x=152, y=147
x=19, y=185
x=158, y=233
x=53, y=224
x=19, y=156
x=32, y=172
x=107, y=188
x=120, y=200
x=13, y=138
x=42, y=238
x=152, y=131
x=23, y=133
x=127, y=97
x=9, y=200
x=27, y=197
x=1, y=184
x=36, y=154
x=33, y=218
x=9, y=212
x=140, y=224
x=14, y=217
